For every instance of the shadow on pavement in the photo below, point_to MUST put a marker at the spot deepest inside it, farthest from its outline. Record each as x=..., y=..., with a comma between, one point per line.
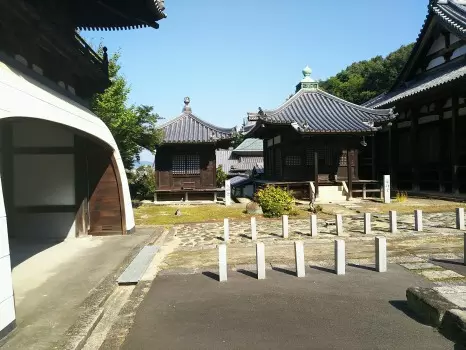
x=248, y=273
x=321, y=268
x=363, y=267
x=245, y=236
x=402, y=305
x=212, y=275
x=285, y=271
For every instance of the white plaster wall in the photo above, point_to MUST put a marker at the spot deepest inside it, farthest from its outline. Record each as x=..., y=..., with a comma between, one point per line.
x=7, y=304
x=435, y=62
x=22, y=96
x=438, y=44
x=44, y=179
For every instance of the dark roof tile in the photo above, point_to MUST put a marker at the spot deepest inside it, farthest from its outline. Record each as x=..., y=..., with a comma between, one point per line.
x=187, y=128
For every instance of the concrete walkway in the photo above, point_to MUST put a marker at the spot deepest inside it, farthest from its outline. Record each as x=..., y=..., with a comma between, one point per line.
x=361, y=310
x=56, y=285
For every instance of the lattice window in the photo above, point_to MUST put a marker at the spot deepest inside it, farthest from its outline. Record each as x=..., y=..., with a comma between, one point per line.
x=193, y=164
x=343, y=159
x=178, y=165
x=293, y=161
x=186, y=164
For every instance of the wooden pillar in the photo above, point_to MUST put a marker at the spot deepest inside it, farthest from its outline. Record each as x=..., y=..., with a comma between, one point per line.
x=442, y=139
x=454, y=153
x=349, y=158
x=316, y=172
x=414, y=150
x=374, y=175
x=390, y=150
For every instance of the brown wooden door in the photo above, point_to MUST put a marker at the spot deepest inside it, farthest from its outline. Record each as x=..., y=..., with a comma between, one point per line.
x=105, y=213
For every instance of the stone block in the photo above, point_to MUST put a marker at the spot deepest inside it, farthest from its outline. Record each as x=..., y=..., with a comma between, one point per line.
x=299, y=259
x=381, y=254
x=285, y=226
x=222, y=262
x=418, y=220
x=226, y=230
x=260, y=260
x=313, y=223
x=392, y=221
x=340, y=258
x=367, y=223
x=460, y=219
x=253, y=229
x=339, y=224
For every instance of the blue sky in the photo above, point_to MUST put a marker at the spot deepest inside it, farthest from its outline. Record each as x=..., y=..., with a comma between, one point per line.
x=230, y=57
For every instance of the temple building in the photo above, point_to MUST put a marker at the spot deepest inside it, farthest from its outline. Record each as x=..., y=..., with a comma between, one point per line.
x=61, y=172
x=318, y=144
x=426, y=145
x=185, y=163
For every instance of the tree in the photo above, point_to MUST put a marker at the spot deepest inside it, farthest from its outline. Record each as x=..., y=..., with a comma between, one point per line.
x=133, y=127
x=364, y=80
x=237, y=139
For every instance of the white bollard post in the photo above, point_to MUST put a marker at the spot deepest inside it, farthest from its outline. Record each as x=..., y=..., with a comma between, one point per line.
x=285, y=226
x=367, y=223
x=222, y=262
x=340, y=257
x=299, y=259
x=381, y=254
x=313, y=225
x=460, y=218
x=393, y=221
x=226, y=230
x=339, y=224
x=418, y=220
x=260, y=260
x=253, y=229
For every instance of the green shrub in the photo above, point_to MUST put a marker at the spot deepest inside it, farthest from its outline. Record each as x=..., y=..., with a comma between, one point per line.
x=221, y=177
x=274, y=201
x=401, y=197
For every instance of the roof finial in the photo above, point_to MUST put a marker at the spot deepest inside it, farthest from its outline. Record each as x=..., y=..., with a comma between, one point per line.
x=307, y=74
x=307, y=82
x=187, y=108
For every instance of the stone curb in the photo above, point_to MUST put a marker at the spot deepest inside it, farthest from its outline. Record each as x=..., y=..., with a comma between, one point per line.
x=453, y=325
x=77, y=335
x=436, y=311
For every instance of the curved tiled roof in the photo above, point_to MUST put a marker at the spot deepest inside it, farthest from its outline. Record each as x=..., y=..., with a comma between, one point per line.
x=316, y=111
x=187, y=128
x=452, y=16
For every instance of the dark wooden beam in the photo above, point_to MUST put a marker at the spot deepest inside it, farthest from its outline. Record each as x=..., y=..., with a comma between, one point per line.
x=414, y=149
x=43, y=150
x=316, y=172
x=350, y=172
x=374, y=155
x=454, y=153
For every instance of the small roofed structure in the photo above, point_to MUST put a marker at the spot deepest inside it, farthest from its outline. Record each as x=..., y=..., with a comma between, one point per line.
x=185, y=163
x=242, y=159
x=316, y=138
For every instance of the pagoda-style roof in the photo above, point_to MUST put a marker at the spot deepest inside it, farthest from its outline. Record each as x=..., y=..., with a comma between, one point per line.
x=116, y=14
x=450, y=15
x=187, y=128
x=313, y=111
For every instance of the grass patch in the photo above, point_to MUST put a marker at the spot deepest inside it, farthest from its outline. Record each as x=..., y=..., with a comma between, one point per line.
x=165, y=215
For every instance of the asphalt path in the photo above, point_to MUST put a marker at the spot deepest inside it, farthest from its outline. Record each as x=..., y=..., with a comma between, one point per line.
x=361, y=310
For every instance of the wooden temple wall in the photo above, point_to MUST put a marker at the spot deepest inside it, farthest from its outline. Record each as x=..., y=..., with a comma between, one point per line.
x=185, y=166
x=425, y=150
x=289, y=157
